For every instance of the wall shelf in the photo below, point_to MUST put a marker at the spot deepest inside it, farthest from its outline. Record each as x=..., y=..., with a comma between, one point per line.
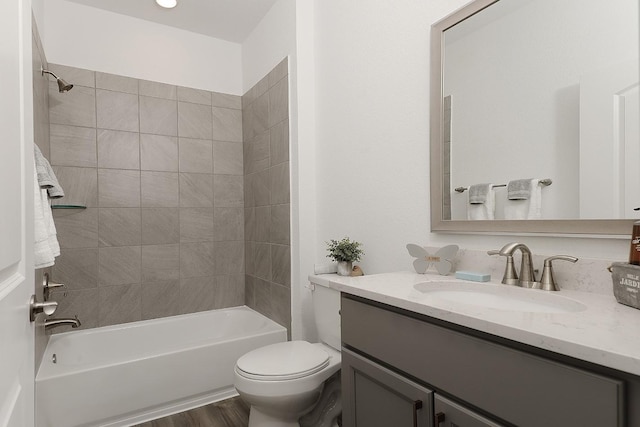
x=68, y=207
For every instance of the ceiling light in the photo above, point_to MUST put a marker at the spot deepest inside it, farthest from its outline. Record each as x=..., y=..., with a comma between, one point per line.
x=168, y=4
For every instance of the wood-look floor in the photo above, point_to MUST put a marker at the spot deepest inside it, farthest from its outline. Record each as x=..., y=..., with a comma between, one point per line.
x=232, y=412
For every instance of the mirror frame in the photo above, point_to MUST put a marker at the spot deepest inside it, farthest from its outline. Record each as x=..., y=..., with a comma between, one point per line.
x=611, y=227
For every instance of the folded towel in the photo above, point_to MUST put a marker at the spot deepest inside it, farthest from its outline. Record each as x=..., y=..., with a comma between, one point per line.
x=46, y=246
x=478, y=193
x=520, y=189
x=482, y=202
x=46, y=178
x=530, y=208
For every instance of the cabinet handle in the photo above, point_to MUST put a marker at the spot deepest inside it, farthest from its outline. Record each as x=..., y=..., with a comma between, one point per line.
x=439, y=418
x=417, y=405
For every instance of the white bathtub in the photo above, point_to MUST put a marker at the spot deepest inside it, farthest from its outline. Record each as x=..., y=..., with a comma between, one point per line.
x=127, y=374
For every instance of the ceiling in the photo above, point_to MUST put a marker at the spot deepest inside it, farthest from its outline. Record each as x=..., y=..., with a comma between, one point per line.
x=231, y=20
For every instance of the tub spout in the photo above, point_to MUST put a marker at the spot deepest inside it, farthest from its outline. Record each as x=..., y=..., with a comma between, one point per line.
x=54, y=323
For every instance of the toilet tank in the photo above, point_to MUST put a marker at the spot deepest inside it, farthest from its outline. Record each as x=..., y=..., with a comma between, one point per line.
x=326, y=311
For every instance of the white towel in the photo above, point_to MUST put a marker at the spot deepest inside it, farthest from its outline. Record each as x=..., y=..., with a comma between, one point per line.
x=530, y=208
x=46, y=246
x=480, y=211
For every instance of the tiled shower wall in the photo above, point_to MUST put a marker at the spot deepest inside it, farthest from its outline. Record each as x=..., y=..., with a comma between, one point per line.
x=160, y=169
x=265, y=123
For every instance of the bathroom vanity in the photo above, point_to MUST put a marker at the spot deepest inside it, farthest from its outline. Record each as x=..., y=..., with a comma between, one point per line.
x=411, y=356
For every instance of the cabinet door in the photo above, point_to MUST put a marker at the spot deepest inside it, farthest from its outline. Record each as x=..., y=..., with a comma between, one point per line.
x=450, y=414
x=374, y=396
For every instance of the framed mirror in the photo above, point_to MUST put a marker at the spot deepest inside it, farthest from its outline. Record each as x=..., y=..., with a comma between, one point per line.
x=537, y=89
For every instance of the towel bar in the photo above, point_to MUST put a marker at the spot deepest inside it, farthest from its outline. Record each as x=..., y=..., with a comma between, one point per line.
x=543, y=182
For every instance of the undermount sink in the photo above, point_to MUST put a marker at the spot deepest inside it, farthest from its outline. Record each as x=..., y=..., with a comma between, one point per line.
x=500, y=297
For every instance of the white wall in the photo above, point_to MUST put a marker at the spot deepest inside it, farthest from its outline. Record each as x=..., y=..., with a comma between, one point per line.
x=372, y=74
x=95, y=39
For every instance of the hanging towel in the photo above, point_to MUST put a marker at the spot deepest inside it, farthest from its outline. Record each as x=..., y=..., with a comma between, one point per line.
x=482, y=202
x=525, y=208
x=46, y=246
x=519, y=189
x=46, y=178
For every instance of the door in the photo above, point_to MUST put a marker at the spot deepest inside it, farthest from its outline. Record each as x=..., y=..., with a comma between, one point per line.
x=16, y=216
x=450, y=414
x=609, y=142
x=374, y=396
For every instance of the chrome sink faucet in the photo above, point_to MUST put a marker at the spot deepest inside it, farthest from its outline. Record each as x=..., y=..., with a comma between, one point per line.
x=527, y=275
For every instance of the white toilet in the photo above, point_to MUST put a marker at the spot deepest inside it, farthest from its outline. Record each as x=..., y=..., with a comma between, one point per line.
x=284, y=381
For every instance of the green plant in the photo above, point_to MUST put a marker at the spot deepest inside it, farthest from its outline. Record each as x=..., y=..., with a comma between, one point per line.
x=344, y=250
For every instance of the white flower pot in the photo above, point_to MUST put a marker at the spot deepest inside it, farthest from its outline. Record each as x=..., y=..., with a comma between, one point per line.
x=345, y=268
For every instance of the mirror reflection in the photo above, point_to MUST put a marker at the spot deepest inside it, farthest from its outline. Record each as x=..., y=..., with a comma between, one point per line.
x=544, y=90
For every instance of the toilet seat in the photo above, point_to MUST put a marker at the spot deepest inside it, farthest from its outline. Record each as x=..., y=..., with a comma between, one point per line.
x=283, y=361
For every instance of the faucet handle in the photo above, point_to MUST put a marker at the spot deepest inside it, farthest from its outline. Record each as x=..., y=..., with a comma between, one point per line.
x=547, y=282
x=510, y=277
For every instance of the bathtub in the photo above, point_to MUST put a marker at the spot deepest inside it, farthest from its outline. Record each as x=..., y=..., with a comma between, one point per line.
x=131, y=373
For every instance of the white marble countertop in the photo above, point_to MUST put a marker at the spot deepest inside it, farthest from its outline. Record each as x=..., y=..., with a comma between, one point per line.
x=603, y=332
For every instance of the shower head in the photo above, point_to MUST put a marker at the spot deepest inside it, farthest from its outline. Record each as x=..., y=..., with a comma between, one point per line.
x=63, y=86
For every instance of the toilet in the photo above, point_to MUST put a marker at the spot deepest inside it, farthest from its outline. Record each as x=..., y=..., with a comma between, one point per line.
x=284, y=381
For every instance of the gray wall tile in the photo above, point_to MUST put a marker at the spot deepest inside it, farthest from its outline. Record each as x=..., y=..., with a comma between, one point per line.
x=196, y=225
x=159, y=189
x=160, y=226
x=160, y=263
x=262, y=224
x=229, y=291
x=228, y=224
x=257, y=152
x=262, y=297
x=119, y=304
x=158, y=153
x=119, y=227
x=196, y=96
x=281, y=305
x=160, y=299
x=116, y=83
x=280, y=224
x=118, y=188
x=250, y=224
x=194, y=121
x=279, y=142
x=157, y=90
x=279, y=176
x=76, y=268
x=261, y=184
x=197, y=294
x=118, y=149
x=262, y=261
x=73, y=146
x=119, y=265
x=279, y=72
x=196, y=259
x=196, y=190
x=116, y=110
x=158, y=116
x=227, y=158
x=228, y=191
x=279, y=102
x=196, y=155
x=78, y=230
x=226, y=100
x=229, y=258
x=76, y=107
x=281, y=265
x=80, y=185
x=227, y=124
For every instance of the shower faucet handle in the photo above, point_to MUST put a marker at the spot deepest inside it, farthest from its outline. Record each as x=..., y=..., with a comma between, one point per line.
x=49, y=286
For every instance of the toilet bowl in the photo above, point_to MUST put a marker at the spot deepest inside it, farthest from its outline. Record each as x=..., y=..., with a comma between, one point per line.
x=284, y=381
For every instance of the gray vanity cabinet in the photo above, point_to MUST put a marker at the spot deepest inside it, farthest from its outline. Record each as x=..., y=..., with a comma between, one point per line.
x=475, y=379
x=380, y=397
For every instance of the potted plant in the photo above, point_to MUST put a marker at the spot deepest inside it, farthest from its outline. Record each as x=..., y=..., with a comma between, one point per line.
x=345, y=252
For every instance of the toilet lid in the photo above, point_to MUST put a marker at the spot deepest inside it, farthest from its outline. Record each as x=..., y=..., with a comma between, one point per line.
x=283, y=361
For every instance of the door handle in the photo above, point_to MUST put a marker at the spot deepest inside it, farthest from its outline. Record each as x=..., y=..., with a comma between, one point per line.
x=439, y=418
x=417, y=405
x=36, y=308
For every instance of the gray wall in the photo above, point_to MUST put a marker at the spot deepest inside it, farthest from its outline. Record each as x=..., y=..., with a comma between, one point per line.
x=160, y=169
x=267, y=196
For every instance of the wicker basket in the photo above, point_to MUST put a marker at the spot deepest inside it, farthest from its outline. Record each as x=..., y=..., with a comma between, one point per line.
x=626, y=283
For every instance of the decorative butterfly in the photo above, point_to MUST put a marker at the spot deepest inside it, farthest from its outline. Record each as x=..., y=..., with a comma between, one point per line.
x=443, y=258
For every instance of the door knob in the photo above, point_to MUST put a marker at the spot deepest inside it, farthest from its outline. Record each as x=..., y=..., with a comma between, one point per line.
x=36, y=308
